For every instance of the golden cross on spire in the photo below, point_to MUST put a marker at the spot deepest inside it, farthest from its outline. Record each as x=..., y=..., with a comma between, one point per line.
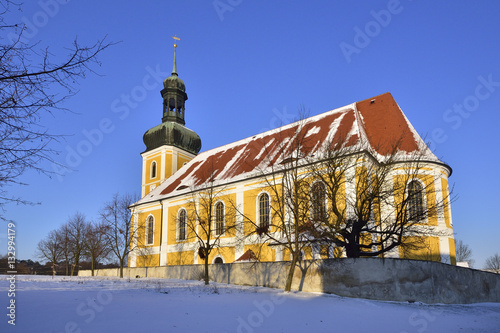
x=175, y=38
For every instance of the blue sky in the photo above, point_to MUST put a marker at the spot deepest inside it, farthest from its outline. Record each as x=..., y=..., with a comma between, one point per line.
x=248, y=66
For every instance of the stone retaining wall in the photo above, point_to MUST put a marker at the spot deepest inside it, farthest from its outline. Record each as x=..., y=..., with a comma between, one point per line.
x=371, y=278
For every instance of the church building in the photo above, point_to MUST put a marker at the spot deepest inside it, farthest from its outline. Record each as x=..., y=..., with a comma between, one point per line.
x=237, y=191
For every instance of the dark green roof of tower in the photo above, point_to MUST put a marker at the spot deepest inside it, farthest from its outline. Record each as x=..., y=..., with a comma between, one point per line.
x=172, y=134
x=173, y=81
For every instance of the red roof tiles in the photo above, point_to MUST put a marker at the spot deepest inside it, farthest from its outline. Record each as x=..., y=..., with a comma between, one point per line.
x=249, y=255
x=375, y=124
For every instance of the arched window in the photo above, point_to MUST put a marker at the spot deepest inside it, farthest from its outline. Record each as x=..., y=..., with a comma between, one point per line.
x=416, y=211
x=153, y=169
x=171, y=104
x=318, y=201
x=218, y=260
x=219, y=218
x=264, y=210
x=150, y=224
x=182, y=224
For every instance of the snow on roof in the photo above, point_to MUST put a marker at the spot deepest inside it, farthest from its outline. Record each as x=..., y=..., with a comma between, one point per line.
x=376, y=124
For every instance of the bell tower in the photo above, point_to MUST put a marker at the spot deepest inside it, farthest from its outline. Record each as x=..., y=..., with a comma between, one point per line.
x=170, y=144
x=174, y=96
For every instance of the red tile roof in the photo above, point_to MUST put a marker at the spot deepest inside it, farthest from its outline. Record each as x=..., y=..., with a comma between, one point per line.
x=375, y=124
x=249, y=255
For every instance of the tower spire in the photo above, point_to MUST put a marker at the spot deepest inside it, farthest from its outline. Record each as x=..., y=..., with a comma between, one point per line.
x=174, y=69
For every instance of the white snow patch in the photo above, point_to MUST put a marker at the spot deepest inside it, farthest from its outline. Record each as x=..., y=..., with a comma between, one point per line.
x=97, y=305
x=312, y=131
x=264, y=149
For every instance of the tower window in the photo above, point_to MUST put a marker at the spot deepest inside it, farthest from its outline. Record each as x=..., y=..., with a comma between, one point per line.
x=416, y=211
x=219, y=218
x=153, y=169
x=171, y=104
x=150, y=230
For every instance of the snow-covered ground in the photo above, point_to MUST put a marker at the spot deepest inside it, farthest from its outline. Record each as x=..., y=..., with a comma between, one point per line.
x=156, y=305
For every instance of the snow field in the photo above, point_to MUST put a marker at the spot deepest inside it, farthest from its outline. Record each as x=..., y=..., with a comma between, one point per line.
x=86, y=304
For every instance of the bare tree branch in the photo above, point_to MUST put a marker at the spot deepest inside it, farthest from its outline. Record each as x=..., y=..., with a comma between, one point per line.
x=210, y=218
x=32, y=86
x=115, y=216
x=463, y=253
x=51, y=249
x=493, y=263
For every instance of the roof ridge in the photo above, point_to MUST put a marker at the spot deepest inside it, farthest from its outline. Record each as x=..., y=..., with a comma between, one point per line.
x=363, y=137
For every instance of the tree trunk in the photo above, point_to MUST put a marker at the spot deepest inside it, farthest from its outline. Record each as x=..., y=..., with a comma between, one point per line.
x=121, y=267
x=92, y=265
x=351, y=251
x=77, y=263
x=291, y=271
x=207, y=280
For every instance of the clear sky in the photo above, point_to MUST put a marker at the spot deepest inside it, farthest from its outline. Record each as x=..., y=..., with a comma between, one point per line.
x=248, y=66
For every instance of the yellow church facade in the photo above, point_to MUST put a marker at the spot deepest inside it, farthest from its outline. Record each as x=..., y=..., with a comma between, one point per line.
x=237, y=192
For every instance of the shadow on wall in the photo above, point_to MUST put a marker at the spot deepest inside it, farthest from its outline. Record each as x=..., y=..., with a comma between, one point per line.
x=404, y=280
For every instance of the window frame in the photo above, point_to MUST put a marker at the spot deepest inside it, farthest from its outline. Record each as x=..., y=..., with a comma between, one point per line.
x=422, y=198
x=150, y=230
x=218, y=257
x=153, y=170
x=222, y=222
x=259, y=209
x=181, y=228
x=314, y=201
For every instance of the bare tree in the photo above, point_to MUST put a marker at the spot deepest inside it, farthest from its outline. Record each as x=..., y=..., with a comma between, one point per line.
x=345, y=197
x=76, y=227
x=96, y=245
x=33, y=85
x=463, y=253
x=210, y=217
x=50, y=249
x=66, y=248
x=115, y=215
x=371, y=206
x=286, y=222
x=493, y=263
